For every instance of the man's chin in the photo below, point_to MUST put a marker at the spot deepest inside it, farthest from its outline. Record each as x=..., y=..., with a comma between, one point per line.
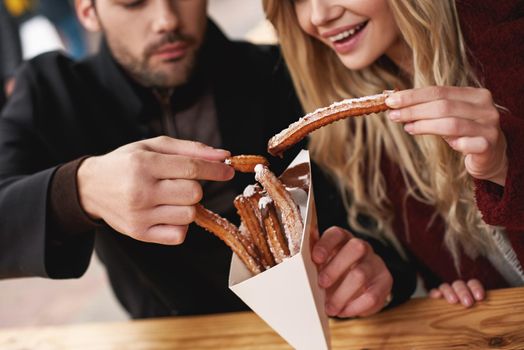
x=168, y=73
x=165, y=78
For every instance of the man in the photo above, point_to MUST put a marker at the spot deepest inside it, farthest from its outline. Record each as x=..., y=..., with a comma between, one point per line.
x=163, y=69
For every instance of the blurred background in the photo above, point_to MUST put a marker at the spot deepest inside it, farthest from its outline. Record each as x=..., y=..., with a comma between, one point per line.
x=46, y=25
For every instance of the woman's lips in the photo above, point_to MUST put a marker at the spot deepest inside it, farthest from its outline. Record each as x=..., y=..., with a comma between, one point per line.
x=172, y=51
x=349, y=43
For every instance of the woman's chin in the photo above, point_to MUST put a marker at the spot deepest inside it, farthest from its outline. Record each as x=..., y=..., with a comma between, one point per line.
x=355, y=62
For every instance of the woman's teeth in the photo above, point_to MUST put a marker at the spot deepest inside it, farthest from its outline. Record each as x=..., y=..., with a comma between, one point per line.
x=346, y=34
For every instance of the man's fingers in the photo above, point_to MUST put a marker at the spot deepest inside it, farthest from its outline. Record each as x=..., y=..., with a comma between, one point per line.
x=165, y=234
x=476, y=289
x=463, y=293
x=352, y=252
x=330, y=239
x=176, y=215
x=168, y=145
x=177, y=192
x=164, y=166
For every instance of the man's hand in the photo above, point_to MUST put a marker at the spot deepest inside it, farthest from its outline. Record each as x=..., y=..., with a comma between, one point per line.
x=147, y=189
x=356, y=280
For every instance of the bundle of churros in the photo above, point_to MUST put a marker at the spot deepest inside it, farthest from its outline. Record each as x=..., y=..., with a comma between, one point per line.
x=271, y=223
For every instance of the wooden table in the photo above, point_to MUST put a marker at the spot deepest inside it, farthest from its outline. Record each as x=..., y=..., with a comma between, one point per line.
x=497, y=323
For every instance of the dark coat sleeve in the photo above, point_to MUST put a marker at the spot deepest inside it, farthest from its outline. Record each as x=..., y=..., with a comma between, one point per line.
x=31, y=244
x=10, y=47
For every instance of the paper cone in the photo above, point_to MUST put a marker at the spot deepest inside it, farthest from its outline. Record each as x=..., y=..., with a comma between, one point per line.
x=287, y=296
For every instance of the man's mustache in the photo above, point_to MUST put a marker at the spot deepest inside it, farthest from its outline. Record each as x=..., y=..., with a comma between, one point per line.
x=169, y=38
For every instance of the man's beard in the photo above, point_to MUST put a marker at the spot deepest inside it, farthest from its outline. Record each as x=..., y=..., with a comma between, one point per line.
x=143, y=71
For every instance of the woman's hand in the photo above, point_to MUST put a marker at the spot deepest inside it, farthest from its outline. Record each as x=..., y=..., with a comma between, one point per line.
x=459, y=291
x=356, y=280
x=465, y=117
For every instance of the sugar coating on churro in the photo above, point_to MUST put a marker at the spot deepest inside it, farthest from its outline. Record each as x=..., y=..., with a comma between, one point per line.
x=290, y=214
x=250, y=190
x=324, y=116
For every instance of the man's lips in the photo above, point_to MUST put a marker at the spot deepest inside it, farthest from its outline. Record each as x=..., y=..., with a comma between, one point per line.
x=172, y=51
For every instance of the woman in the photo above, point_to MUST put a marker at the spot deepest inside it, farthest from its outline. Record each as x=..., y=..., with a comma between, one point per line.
x=439, y=174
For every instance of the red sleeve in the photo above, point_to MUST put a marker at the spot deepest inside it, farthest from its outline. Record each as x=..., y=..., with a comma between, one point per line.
x=493, y=31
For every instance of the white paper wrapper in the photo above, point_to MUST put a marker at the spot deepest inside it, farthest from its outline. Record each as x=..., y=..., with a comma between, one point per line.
x=287, y=296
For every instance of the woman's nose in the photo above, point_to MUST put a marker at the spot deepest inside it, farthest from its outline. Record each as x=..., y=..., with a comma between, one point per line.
x=325, y=11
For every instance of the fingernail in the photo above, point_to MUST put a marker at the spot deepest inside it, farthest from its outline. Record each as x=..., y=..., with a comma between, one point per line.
x=478, y=295
x=319, y=255
x=330, y=309
x=230, y=172
x=392, y=101
x=394, y=115
x=452, y=299
x=323, y=280
x=409, y=128
x=467, y=301
x=220, y=150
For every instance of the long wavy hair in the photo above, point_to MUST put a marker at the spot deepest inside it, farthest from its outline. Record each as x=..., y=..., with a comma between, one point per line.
x=352, y=150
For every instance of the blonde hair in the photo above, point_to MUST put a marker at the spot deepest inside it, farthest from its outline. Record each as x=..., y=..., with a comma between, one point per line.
x=352, y=150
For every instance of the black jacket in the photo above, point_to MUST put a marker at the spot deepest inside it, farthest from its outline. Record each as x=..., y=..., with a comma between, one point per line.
x=10, y=49
x=62, y=110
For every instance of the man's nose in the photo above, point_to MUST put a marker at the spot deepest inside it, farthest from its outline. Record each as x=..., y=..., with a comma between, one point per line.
x=324, y=11
x=165, y=18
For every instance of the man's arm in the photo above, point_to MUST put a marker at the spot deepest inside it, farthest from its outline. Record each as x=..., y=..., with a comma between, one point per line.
x=30, y=243
x=10, y=48
x=148, y=189
x=145, y=190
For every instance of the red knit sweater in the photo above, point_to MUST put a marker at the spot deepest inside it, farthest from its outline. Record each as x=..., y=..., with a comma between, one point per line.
x=494, y=34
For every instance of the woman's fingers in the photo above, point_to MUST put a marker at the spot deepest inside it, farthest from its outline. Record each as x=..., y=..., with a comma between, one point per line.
x=476, y=289
x=445, y=127
x=406, y=98
x=448, y=293
x=372, y=300
x=349, y=254
x=463, y=293
x=437, y=109
x=459, y=291
x=356, y=280
x=330, y=239
x=469, y=145
x=435, y=293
